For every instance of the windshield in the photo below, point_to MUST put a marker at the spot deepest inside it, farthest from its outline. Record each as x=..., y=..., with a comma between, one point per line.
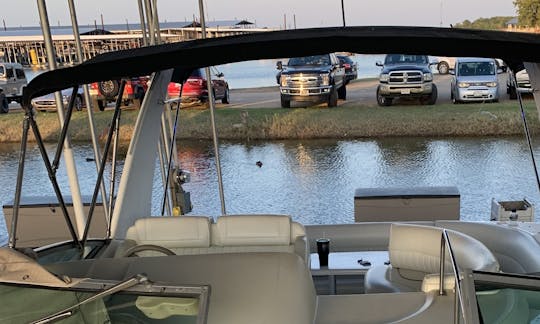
x=141, y=304
x=401, y=58
x=310, y=60
x=476, y=68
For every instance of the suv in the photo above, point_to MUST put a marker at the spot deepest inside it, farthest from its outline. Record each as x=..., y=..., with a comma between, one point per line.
x=12, y=80
x=316, y=78
x=523, y=83
x=475, y=79
x=406, y=76
x=351, y=68
x=196, y=87
x=107, y=91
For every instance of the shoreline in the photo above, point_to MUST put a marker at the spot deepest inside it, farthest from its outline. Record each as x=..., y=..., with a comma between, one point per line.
x=359, y=121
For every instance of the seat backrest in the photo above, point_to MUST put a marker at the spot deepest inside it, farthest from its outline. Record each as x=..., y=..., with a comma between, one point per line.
x=417, y=248
x=259, y=233
x=180, y=234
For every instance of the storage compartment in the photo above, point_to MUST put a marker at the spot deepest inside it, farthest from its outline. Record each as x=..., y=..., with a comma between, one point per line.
x=514, y=210
x=406, y=204
x=41, y=221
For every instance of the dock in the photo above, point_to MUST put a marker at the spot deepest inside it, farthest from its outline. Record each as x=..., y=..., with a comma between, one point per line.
x=29, y=50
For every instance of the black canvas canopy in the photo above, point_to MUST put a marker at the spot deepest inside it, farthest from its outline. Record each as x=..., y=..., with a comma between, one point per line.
x=513, y=48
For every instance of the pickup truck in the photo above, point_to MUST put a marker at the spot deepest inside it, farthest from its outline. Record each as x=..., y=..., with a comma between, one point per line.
x=316, y=78
x=107, y=91
x=406, y=76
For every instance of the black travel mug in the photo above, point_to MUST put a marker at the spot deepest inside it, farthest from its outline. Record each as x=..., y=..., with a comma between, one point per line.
x=323, y=249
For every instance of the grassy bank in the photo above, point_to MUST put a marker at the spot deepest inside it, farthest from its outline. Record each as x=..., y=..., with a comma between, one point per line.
x=342, y=122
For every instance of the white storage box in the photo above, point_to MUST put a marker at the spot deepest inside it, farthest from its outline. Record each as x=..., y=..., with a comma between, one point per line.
x=516, y=210
x=406, y=204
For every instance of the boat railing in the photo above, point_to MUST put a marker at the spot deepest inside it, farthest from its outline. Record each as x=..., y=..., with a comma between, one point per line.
x=459, y=305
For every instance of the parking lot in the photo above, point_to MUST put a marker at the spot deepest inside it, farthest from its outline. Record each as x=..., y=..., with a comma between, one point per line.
x=359, y=92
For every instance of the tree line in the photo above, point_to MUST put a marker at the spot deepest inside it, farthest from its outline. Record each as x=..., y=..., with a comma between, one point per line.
x=528, y=14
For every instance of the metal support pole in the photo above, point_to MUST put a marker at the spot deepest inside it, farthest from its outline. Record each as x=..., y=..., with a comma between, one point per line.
x=113, y=170
x=68, y=152
x=155, y=17
x=150, y=21
x=441, y=265
x=143, y=23
x=18, y=188
x=88, y=100
x=211, y=102
x=343, y=12
x=103, y=161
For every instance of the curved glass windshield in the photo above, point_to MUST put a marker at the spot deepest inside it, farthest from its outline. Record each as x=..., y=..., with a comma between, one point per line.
x=403, y=58
x=476, y=68
x=310, y=60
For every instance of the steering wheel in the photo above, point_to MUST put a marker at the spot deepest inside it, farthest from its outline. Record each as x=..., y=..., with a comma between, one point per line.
x=147, y=247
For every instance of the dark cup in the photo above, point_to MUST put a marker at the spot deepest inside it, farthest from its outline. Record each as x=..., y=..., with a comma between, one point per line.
x=323, y=249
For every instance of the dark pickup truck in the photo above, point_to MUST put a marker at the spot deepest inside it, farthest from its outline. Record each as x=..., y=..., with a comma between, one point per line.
x=317, y=78
x=406, y=76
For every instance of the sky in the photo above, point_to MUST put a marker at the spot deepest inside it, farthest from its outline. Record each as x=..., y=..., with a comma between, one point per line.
x=265, y=13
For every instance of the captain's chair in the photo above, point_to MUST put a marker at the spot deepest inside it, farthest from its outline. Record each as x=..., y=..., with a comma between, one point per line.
x=414, y=252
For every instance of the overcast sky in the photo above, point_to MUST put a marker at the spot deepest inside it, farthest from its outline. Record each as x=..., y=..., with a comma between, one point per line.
x=266, y=13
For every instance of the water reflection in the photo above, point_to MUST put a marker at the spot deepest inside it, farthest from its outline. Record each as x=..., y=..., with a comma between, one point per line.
x=314, y=180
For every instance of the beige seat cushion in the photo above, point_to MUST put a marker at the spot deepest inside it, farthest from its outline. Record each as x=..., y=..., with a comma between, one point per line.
x=172, y=232
x=244, y=230
x=414, y=252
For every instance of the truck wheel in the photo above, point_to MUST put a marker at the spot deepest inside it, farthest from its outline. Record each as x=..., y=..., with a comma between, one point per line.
x=512, y=92
x=332, y=98
x=78, y=103
x=225, y=98
x=382, y=100
x=109, y=88
x=342, y=93
x=285, y=103
x=432, y=99
x=101, y=105
x=443, y=67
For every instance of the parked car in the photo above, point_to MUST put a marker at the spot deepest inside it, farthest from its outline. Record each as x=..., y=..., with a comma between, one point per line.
x=523, y=84
x=475, y=79
x=48, y=102
x=12, y=80
x=351, y=68
x=196, y=87
x=107, y=91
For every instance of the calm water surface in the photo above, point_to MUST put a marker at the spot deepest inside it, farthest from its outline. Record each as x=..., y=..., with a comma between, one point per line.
x=314, y=180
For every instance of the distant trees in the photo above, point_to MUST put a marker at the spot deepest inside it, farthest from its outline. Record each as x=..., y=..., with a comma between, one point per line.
x=528, y=12
x=487, y=23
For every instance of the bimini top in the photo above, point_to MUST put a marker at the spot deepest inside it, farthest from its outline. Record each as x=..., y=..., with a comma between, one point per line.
x=513, y=48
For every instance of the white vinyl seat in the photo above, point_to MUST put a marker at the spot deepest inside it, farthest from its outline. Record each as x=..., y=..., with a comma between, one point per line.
x=259, y=233
x=414, y=252
x=180, y=234
x=186, y=235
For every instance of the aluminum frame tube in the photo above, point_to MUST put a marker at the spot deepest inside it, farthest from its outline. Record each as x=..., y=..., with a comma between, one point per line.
x=103, y=161
x=211, y=103
x=143, y=23
x=18, y=187
x=89, y=108
x=68, y=152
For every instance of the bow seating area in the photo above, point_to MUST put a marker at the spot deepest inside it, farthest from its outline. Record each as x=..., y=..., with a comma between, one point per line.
x=191, y=235
x=414, y=252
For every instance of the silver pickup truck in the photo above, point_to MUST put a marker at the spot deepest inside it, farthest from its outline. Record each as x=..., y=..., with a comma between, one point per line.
x=406, y=76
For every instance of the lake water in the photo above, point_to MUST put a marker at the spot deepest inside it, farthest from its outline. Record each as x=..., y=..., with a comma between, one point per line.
x=314, y=180
x=262, y=73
